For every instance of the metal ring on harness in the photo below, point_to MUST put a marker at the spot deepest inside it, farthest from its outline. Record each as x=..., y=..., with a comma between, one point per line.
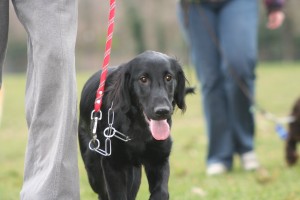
x=97, y=146
x=111, y=132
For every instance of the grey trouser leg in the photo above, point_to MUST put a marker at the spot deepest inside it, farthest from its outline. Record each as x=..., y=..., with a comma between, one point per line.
x=51, y=165
x=3, y=33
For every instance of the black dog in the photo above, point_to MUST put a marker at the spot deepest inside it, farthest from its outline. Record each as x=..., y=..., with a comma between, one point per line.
x=144, y=93
x=293, y=138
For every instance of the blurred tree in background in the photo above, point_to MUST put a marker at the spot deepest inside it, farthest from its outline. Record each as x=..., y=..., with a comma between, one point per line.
x=135, y=22
x=142, y=25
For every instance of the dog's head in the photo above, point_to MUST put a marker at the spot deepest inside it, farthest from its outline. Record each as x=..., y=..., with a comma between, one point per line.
x=153, y=82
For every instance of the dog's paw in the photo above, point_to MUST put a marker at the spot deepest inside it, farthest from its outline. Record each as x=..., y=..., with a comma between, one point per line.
x=291, y=158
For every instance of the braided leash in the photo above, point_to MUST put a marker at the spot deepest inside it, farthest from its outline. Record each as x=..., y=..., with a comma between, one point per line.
x=110, y=30
x=96, y=114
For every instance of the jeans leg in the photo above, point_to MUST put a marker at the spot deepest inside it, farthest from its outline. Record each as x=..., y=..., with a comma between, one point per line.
x=206, y=58
x=238, y=28
x=51, y=165
x=4, y=20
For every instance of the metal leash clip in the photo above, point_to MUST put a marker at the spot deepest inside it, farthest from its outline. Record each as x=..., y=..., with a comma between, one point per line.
x=95, y=144
x=95, y=117
x=108, y=133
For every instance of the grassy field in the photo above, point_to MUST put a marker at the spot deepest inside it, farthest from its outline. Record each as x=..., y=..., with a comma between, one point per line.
x=278, y=86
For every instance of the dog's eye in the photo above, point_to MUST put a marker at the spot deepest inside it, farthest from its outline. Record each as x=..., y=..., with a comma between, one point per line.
x=168, y=77
x=143, y=79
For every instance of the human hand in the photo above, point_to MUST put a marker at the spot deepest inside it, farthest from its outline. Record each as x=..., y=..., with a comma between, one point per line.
x=275, y=19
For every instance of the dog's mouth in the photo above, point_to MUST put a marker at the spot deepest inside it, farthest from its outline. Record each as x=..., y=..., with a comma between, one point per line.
x=159, y=129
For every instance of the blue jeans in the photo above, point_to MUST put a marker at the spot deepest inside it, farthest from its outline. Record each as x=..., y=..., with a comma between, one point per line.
x=223, y=39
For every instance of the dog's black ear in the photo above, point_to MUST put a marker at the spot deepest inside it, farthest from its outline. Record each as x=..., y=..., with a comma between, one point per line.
x=118, y=92
x=180, y=91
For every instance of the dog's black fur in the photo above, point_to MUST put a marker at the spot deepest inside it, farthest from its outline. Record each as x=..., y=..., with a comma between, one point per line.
x=149, y=86
x=293, y=138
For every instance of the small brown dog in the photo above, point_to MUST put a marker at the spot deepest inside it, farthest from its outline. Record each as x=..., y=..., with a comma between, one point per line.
x=291, y=155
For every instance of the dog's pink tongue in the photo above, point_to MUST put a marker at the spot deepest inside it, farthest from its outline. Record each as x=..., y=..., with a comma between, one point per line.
x=160, y=129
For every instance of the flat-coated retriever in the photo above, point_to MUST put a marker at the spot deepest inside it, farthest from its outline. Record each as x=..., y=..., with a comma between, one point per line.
x=144, y=93
x=293, y=138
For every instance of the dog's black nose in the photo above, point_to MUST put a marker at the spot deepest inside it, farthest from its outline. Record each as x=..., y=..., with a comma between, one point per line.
x=162, y=110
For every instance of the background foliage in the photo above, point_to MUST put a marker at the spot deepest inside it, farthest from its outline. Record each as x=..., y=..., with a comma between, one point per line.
x=151, y=25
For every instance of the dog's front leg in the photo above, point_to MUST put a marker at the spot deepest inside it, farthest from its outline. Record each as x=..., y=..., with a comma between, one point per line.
x=115, y=180
x=158, y=178
x=291, y=155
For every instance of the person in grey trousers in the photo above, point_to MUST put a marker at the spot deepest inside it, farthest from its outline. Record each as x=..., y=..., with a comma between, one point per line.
x=51, y=165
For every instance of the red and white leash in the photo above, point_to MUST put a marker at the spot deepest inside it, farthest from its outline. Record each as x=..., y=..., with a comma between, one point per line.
x=96, y=114
x=110, y=30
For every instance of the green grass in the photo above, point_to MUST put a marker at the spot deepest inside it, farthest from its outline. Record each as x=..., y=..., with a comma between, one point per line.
x=278, y=86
